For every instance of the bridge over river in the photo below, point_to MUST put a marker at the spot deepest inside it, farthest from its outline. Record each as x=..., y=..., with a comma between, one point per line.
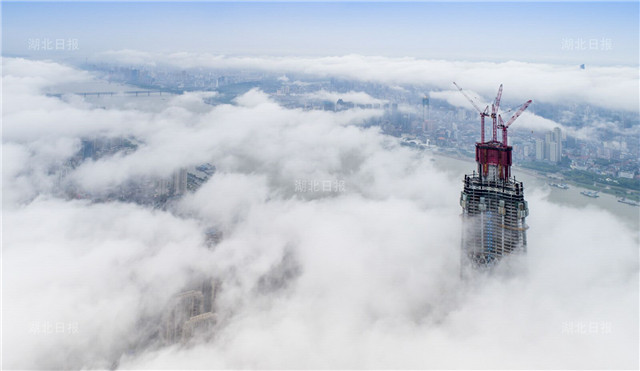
x=131, y=93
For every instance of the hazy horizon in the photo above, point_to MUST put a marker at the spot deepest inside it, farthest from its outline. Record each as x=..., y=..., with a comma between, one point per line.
x=494, y=31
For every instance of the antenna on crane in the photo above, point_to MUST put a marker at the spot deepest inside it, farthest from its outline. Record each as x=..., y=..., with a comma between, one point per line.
x=483, y=114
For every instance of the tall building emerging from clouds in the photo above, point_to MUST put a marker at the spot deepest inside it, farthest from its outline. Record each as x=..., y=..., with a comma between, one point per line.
x=190, y=313
x=493, y=205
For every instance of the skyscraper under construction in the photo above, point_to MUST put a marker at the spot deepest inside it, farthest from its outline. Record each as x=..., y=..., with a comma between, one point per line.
x=493, y=205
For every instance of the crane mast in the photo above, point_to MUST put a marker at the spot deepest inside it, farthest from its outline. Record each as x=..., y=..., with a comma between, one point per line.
x=494, y=110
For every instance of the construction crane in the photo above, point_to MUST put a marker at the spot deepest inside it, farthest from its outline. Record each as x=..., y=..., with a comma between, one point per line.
x=494, y=110
x=513, y=118
x=483, y=114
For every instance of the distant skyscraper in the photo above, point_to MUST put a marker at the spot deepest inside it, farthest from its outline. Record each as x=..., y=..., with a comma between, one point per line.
x=557, y=136
x=180, y=182
x=540, y=149
x=162, y=187
x=493, y=205
x=189, y=313
x=186, y=305
x=548, y=138
x=553, y=152
x=426, y=113
x=200, y=324
x=551, y=148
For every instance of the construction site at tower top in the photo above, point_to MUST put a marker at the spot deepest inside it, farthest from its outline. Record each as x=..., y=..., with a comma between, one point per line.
x=493, y=205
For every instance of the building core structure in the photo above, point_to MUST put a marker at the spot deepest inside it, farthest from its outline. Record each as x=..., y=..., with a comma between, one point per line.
x=493, y=204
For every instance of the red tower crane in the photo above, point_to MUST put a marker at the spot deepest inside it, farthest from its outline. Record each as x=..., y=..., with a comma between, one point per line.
x=494, y=157
x=513, y=118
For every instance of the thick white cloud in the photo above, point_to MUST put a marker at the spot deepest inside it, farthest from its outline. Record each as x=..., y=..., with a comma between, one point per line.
x=361, y=277
x=608, y=87
x=379, y=288
x=78, y=277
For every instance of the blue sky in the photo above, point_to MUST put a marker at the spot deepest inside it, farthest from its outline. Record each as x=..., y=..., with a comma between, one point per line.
x=494, y=31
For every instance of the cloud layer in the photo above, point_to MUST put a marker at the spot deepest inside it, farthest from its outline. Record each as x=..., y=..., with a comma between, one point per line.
x=613, y=87
x=364, y=276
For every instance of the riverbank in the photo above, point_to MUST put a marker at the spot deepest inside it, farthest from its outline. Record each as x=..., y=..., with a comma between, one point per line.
x=618, y=187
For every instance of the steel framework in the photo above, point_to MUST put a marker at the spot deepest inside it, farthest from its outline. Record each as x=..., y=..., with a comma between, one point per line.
x=493, y=215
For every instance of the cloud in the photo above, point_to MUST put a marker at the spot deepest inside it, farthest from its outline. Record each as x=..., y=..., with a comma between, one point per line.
x=356, y=97
x=362, y=274
x=527, y=120
x=193, y=101
x=613, y=88
x=77, y=278
x=379, y=288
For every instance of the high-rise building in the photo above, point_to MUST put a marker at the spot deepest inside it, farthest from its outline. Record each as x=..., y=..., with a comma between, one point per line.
x=557, y=136
x=186, y=305
x=548, y=139
x=190, y=312
x=201, y=324
x=180, y=182
x=540, y=149
x=493, y=205
x=163, y=187
x=553, y=152
x=426, y=115
x=550, y=148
